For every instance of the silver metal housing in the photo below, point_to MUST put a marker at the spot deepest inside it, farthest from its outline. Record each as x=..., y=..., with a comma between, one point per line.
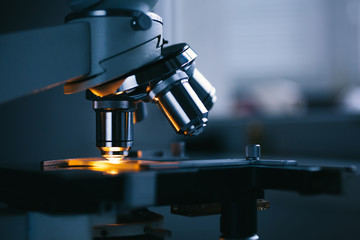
x=114, y=128
x=180, y=104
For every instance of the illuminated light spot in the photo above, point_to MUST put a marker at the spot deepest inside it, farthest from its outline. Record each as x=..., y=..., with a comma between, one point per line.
x=112, y=172
x=115, y=160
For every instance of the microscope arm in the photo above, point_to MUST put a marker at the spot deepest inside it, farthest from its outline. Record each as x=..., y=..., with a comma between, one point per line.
x=37, y=60
x=90, y=50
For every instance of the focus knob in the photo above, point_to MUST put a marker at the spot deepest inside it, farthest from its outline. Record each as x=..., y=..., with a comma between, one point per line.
x=252, y=152
x=141, y=22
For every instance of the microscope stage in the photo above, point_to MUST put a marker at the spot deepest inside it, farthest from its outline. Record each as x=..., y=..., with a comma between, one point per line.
x=135, y=165
x=94, y=184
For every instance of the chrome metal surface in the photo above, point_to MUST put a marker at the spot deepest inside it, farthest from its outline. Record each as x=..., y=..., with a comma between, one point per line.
x=202, y=87
x=114, y=127
x=180, y=104
x=252, y=152
x=254, y=237
x=174, y=58
x=163, y=86
x=120, y=105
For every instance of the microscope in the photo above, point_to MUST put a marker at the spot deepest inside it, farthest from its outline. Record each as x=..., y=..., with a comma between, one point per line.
x=115, y=52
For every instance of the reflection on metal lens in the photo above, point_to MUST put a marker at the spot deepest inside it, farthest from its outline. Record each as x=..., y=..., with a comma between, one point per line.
x=180, y=104
x=114, y=128
x=202, y=87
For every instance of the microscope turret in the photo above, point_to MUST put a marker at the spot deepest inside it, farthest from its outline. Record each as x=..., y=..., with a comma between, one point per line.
x=171, y=82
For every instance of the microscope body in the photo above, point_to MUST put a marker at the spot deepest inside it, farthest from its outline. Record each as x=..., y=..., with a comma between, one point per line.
x=114, y=50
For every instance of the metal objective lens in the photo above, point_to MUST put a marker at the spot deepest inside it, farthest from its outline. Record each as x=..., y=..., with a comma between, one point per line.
x=114, y=128
x=180, y=104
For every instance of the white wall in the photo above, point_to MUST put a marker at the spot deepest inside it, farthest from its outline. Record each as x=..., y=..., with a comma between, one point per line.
x=313, y=42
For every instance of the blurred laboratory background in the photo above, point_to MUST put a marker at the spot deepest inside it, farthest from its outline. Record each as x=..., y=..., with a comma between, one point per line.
x=287, y=76
x=286, y=72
